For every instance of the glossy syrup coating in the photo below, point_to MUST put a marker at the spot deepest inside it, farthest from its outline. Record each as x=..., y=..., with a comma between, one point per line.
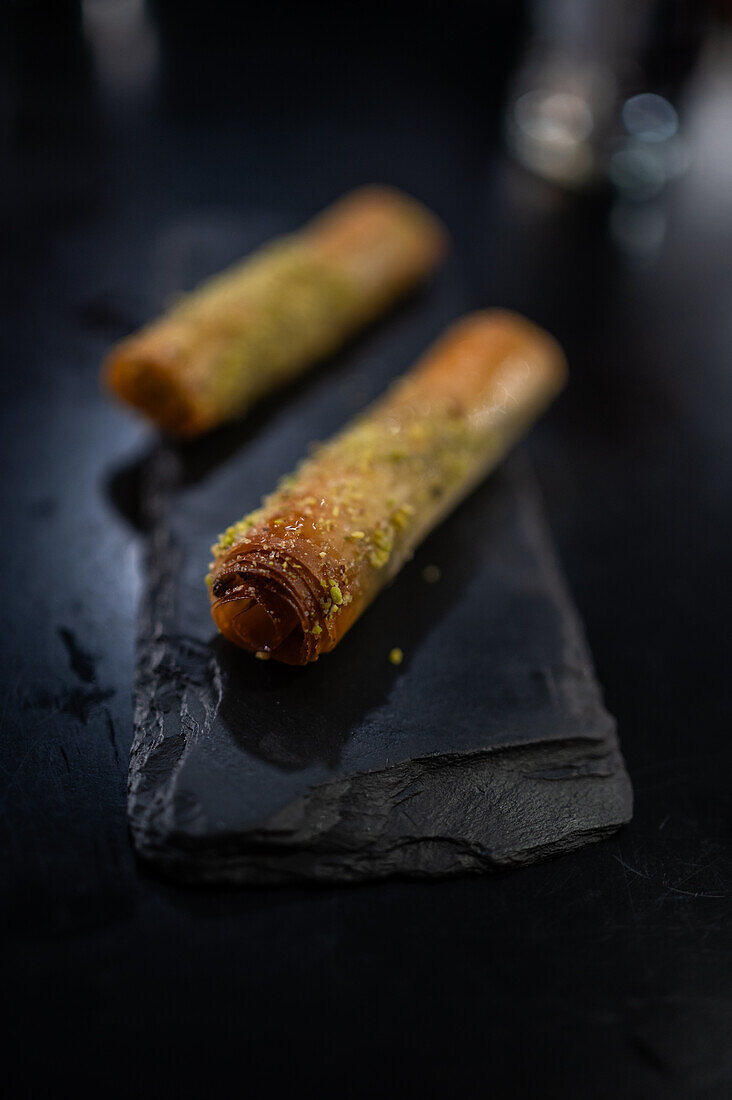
x=291, y=577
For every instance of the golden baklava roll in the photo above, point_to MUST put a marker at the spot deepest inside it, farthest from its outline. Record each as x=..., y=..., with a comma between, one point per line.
x=271, y=316
x=289, y=579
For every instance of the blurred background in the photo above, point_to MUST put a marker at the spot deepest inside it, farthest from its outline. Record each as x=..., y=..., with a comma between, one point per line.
x=580, y=154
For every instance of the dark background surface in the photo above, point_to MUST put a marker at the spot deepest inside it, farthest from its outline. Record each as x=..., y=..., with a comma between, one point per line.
x=606, y=973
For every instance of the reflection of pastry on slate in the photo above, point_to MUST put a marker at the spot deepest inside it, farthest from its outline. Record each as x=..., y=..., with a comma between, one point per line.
x=268, y=318
x=290, y=579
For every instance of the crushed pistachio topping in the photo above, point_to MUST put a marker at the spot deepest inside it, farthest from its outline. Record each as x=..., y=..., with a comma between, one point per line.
x=400, y=518
x=262, y=655
x=260, y=321
x=431, y=574
x=365, y=497
x=236, y=532
x=396, y=656
x=286, y=482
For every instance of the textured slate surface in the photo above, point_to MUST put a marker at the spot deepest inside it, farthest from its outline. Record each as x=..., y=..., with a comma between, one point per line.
x=606, y=973
x=488, y=746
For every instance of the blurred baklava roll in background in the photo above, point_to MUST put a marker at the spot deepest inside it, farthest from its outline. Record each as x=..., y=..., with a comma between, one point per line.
x=270, y=317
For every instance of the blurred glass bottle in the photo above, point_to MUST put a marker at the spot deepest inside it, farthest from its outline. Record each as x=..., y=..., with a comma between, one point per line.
x=592, y=102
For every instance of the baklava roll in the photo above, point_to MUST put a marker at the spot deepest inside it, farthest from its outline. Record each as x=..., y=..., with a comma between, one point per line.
x=274, y=314
x=289, y=579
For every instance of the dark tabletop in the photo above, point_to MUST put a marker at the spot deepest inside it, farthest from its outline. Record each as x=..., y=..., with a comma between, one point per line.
x=607, y=973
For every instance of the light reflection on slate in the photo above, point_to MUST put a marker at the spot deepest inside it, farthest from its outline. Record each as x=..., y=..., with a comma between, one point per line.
x=488, y=746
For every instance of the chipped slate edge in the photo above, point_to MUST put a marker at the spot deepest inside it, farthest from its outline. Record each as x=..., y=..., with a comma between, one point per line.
x=476, y=812
x=354, y=829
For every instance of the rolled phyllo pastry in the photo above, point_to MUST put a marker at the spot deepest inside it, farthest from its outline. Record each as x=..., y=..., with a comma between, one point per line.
x=268, y=318
x=292, y=577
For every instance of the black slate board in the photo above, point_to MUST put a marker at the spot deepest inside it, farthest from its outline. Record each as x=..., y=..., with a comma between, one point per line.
x=489, y=746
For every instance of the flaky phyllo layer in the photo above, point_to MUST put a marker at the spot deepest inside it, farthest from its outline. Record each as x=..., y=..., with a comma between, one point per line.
x=268, y=318
x=290, y=578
